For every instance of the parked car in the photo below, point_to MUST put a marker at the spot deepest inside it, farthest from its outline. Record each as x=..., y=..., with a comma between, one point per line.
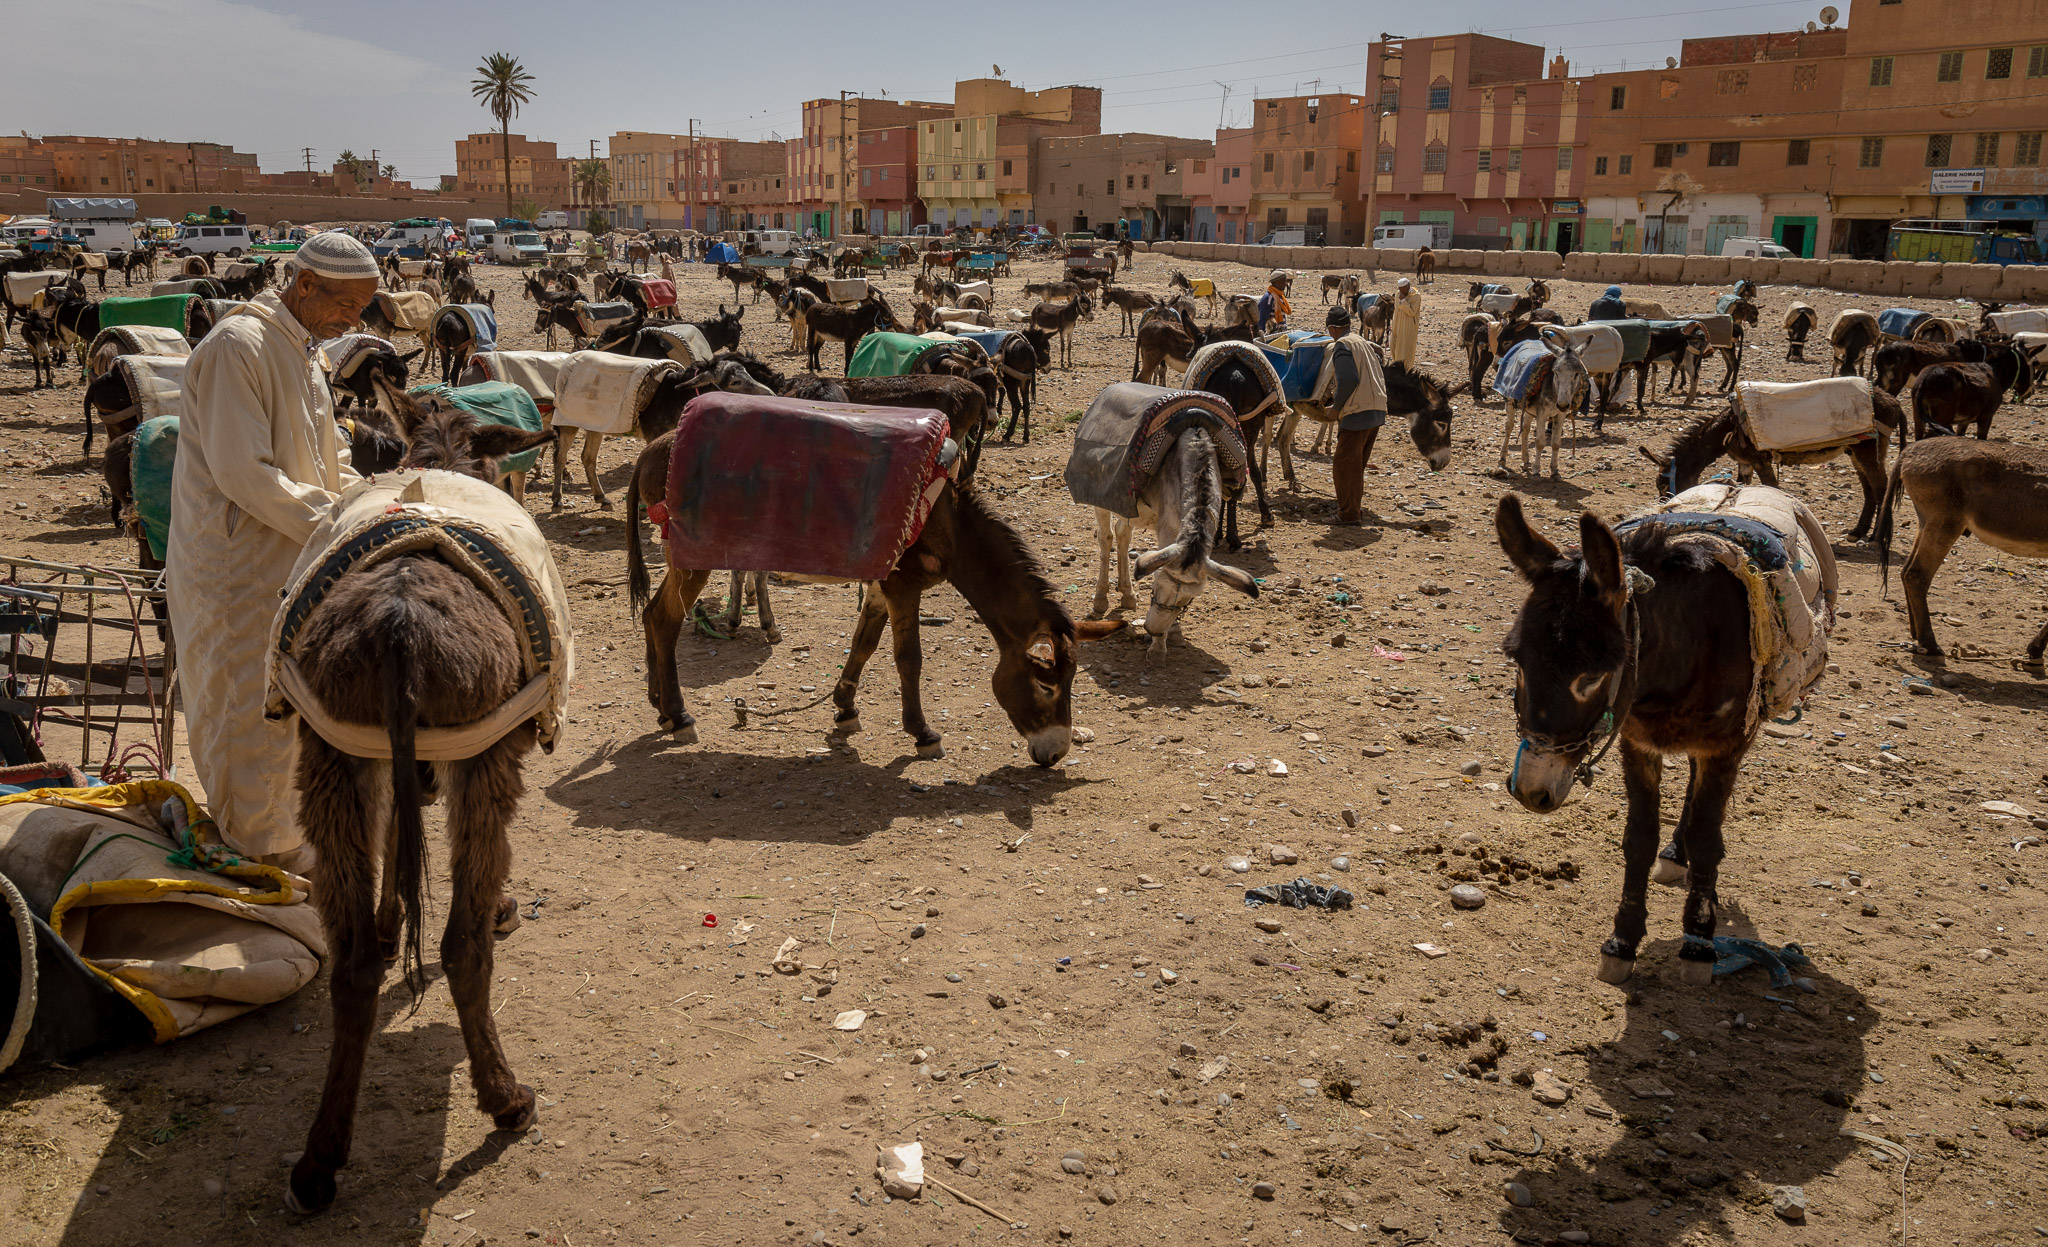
x=1756, y=248
x=229, y=240
x=1285, y=238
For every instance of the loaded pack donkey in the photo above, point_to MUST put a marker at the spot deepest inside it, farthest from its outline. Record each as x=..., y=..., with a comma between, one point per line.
x=1645, y=636
x=1767, y=425
x=1353, y=377
x=1167, y=459
x=1544, y=381
x=1852, y=335
x=708, y=514
x=409, y=659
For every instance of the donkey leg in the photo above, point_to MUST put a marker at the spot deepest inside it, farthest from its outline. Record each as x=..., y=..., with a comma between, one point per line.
x=909, y=655
x=1938, y=534
x=483, y=795
x=593, y=441
x=331, y=800
x=1713, y=780
x=1124, y=598
x=1105, y=544
x=1670, y=867
x=769, y=631
x=562, y=435
x=1507, y=432
x=1868, y=458
x=1642, y=774
x=867, y=633
x=1285, y=437
x=663, y=622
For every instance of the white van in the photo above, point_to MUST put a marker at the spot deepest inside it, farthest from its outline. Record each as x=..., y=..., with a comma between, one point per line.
x=515, y=247
x=1758, y=248
x=552, y=220
x=474, y=230
x=1411, y=237
x=1285, y=238
x=228, y=240
x=103, y=235
x=771, y=241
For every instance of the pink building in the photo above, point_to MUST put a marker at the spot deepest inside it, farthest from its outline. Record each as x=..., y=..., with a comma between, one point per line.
x=1474, y=134
x=1222, y=191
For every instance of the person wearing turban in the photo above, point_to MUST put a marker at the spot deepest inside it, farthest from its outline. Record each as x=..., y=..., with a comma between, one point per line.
x=1407, y=324
x=259, y=462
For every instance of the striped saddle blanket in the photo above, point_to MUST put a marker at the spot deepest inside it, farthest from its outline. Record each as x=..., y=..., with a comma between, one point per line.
x=1215, y=355
x=349, y=352
x=155, y=382
x=118, y=340
x=1522, y=371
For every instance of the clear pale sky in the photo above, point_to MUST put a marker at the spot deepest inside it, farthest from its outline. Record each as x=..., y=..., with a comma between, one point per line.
x=274, y=76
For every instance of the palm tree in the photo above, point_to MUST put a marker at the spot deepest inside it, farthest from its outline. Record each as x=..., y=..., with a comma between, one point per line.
x=591, y=178
x=503, y=84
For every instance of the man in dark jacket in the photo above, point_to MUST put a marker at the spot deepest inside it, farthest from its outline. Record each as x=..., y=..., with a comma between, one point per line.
x=1608, y=306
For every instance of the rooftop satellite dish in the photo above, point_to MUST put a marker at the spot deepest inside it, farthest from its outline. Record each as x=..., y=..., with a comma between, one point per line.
x=1810, y=28
x=1671, y=62
x=1828, y=15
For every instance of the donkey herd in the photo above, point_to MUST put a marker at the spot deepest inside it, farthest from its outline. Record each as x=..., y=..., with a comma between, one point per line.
x=1638, y=636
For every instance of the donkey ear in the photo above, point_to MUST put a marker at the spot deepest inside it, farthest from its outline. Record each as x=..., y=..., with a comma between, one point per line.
x=407, y=410
x=1041, y=650
x=1530, y=551
x=1601, y=551
x=1662, y=461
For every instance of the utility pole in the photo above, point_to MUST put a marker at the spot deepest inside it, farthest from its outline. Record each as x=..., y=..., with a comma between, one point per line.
x=839, y=214
x=309, y=159
x=1374, y=117
x=690, y=211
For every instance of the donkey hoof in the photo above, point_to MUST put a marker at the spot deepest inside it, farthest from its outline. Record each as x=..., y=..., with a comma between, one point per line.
x=506, y=920
x=1695, y=973
x=931, y=749
x=310, y=1190
x=1668, y=871
x=772, y=635
x=520, y=1117
x=1614, y=969
x=685, y=733
x=848, y=726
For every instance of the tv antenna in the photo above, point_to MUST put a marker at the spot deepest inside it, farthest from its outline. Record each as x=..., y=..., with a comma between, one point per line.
x=1225, y=103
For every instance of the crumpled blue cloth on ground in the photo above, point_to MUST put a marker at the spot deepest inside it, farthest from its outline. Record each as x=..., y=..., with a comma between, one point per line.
x=1301, y=894
x=1733, y=954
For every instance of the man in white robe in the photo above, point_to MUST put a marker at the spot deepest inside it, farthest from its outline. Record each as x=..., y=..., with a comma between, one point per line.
x=259, y=462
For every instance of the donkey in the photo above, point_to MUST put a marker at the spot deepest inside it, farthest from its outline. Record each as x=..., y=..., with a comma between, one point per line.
x=1852, y=335
x=1245, y=390
x=409, y=642
x=1167, y=338
x=1183, y=502
x=1800, y=319
x=245, y=280
x=40, y=335
x=1956, y=396
x=1897, y=363
x=1411, y=393
x=1199, y=288
x=143, y=258
x=1376, y=319
x=1130, y=302
x=847, y=325
x=1989, y=490
x=1059, y=319
x=1023, y=355
x=1708, y=438
x=1343, y=285
x=740, y=275
x=1558, y=397
x=964, y=543
x=1644, y=641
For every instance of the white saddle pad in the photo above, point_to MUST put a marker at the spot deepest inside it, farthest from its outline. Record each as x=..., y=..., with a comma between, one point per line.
x=535, y=372
x=2026, y=320
x=602, y=391
x=1599, y=346
x=1804, y=415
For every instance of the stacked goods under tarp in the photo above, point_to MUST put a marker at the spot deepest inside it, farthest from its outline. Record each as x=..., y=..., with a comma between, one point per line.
x=127, y=919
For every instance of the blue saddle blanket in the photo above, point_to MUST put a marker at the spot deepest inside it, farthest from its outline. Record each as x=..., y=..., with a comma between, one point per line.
x=1764, y=544
x=1725, y=302
x=483, y=323
x=1300, y=364
x=1522, y=371
x=1367, y=300
x=1899, y=322
x=990, y=341
x=1493, y=287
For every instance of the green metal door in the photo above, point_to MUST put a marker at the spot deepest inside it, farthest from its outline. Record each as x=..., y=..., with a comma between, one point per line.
x=1796, y=234
x=1599, y=234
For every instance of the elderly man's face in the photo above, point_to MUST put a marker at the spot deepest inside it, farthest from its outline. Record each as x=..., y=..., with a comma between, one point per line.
x=329, y=308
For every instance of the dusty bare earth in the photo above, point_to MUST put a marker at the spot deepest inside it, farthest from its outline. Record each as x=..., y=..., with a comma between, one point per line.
x=1059, y=963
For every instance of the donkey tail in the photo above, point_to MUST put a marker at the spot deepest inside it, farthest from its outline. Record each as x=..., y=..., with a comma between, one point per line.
x=1883, y=535
x=638, y=588
x=91, y=418
x=408, y=854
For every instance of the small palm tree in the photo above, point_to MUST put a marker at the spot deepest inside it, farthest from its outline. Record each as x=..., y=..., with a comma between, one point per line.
x=503, y=84
x=592, y=177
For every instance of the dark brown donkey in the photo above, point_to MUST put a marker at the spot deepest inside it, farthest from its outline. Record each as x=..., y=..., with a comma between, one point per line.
x=410, y=642
x=1643, y=640
x=963, y=543
x=1994, y=491
x=1699, y=444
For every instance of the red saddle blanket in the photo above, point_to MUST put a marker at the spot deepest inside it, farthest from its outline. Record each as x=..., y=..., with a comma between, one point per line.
x=659, y=293
x=758, y=483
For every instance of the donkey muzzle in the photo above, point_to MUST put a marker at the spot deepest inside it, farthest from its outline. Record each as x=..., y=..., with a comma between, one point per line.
x=1542, y=779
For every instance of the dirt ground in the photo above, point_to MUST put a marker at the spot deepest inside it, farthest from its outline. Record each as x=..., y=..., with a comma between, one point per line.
x=1067, y=999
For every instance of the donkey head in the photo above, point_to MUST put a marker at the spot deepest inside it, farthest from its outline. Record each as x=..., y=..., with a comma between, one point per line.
x=438, y=434
x=733, y=377
x=1189, y=491
x=1697, y=445
x=1569, y=645
x=1429, y=424
x=722, y=331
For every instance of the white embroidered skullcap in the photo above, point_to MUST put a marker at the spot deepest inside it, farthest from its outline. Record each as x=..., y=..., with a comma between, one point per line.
x=336, y=256
x=1402, y=282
